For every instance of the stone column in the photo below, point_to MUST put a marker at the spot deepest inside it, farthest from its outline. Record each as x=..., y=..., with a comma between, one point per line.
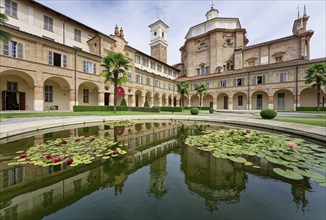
x=230, y=103
x=271, y=102
x=297, y=101
x=38, y=98
x=142, y=101
x=72, y=99
x=249, y=104
x=100, y=99
x=159, y=101
x=133, y=101
x=111, y=99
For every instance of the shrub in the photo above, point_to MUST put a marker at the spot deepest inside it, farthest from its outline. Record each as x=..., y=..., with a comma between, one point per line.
x=211, y=110
x=123, y=102
x=171, y=109
x=202, y=108
x=81, y=108
x=194, y=111
x=310, y=108
x=146, y=104
x=268, y=113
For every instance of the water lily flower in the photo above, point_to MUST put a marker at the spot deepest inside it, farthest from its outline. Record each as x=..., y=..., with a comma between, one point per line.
x=222, y=133
x=23, y=156
x=48, y=157
x=85, y=136
x=247, y=136
x=205, y=136
x=69, y=161
x=63, y=141
x=77, y=140
x=57, y=159
x=292, y=144
x=92, y=139
x=116, y=152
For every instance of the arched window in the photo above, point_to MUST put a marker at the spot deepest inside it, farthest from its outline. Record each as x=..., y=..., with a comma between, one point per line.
x=163, y=34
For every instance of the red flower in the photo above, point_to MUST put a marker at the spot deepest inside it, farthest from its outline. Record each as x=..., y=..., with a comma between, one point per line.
x=69, y=161
x=48, y=156
x=292, y=144
x=116, y=152
x=86, y=136
x=77, y=140
x=23, y=156
x=92, y=139
x=63, y=141
x=57, y=159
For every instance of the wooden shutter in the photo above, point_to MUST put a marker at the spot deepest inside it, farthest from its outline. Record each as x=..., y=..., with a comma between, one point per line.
x=22, y=101
x=263, y=79
x=5, y=48
x=254, y=80
x=84, y=66
x=64, y=61
x=94, y=68
x=20, y=50
x=50, y=58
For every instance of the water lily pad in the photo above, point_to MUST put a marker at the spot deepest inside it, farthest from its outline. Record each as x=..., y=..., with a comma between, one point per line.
x=248, y=163
x=276, y=160
x=237, y=159
x=289, y=174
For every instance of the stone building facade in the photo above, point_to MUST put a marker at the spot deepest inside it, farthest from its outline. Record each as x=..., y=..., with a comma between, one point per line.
x=54, y=60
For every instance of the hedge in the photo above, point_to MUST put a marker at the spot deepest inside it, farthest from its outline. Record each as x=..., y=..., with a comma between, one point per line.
x=310, y=109
x=202, y=108
x=171, y=109
x=194, y=111
x=84, y=108
x=267, y=113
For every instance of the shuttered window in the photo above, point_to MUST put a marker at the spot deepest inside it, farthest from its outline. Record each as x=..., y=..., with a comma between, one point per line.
x=13, y=49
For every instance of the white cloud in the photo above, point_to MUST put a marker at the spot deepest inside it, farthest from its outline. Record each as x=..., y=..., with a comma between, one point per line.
x=263, y=20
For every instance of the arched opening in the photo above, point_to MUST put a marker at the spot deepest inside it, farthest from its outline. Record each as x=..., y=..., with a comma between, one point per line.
x=56, y=93
x=148, y=97
x=185, y=101
x=308, y=98
x=208, y=100
x=222, y=101
x=170, y=103
x=194, y=101
x=138, y=99
x=88, y=94
x=164, y=100
x=283, y=100
x=17, y=91
x=157, y=99
x=240, y=101
x=259, y=100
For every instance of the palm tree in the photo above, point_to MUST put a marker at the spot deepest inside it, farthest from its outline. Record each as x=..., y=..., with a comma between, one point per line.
x=200, y=89
x=4, y=36
x=316, y=74
x=115, y=70
x=183, y=88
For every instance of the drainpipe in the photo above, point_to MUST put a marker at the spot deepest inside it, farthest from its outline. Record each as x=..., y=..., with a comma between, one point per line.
x=153, y=99
x=75, y=72
x=248, y=96
x=63, y=31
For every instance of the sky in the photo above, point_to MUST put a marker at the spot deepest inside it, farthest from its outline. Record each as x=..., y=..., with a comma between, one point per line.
x=263, y=20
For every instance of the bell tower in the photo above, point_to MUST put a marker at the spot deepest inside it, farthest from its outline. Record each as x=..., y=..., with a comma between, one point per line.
x=159, y=42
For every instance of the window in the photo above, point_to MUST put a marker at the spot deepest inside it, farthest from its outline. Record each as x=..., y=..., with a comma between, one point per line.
x=77, y=35
x=13, y=176
x=11, y=8
x=139, y=79
x=165, y=70
x=145, y=62
x=13, y=49
x=85, y=96
x=193, y=86
x=170, y=72
x=48, y=93
x=48, y=23
x=56, y=59
x=157, y=83
x=228, y=66
x=137, y=59
x=259, y=79
x=47, y=199
x=202, y=69
x=153, y=65
x=283, y=77
x=251, y=63
x=223, y=83
x=174, y=74
x=170, y=86
x=130, y=76
x=90, y=36
x=206, y=70
x=89, y=67
x=278, y=59
x=239, y=82
x=198, y=71
x=240, y=100
x=207, y=85
x=138, y=141
x=12, y=86
x=148, y=81
x=159, y=68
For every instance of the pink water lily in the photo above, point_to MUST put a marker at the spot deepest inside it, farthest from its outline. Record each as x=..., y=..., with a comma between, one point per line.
x=23, y=156
x=77, y=140
x=48, y=157
x=69, y=161
x=63, y=141
x=92, y=139
x=205, y=136
x=85, y=136
x=247, y=136
x=116, y=152
x=57, y=159
x=222, y=133
x=292, y=144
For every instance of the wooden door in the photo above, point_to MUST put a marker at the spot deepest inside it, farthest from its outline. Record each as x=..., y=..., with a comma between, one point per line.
x=3, y=100
x=22, y=101
x=225, y=102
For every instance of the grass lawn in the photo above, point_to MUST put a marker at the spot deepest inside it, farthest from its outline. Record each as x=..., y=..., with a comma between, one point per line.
x=307, y=116
x=108, y=113
x=321, y=122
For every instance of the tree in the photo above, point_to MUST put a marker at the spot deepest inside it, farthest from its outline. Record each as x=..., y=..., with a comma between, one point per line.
x=316, y=74
x=115, y=70
x=200, y=89
x=183, y=88
x=4, y=36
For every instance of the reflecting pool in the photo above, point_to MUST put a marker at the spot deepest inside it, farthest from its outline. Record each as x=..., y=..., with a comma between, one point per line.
x=159, y=178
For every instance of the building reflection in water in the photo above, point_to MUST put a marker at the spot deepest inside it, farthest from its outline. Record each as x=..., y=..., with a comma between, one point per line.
x=33, y=192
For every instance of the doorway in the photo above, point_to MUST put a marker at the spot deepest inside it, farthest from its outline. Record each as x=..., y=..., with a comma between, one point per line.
x=13, y=100
x=106, y=98
x=281, y=101
x=259, y=102
x=225, y=102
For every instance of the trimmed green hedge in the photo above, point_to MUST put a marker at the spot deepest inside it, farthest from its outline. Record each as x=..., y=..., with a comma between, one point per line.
x=310, y=109
x=202, y=108
x=171, y=109
x=84, y=108
x=194, y=111
x=268, y=113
